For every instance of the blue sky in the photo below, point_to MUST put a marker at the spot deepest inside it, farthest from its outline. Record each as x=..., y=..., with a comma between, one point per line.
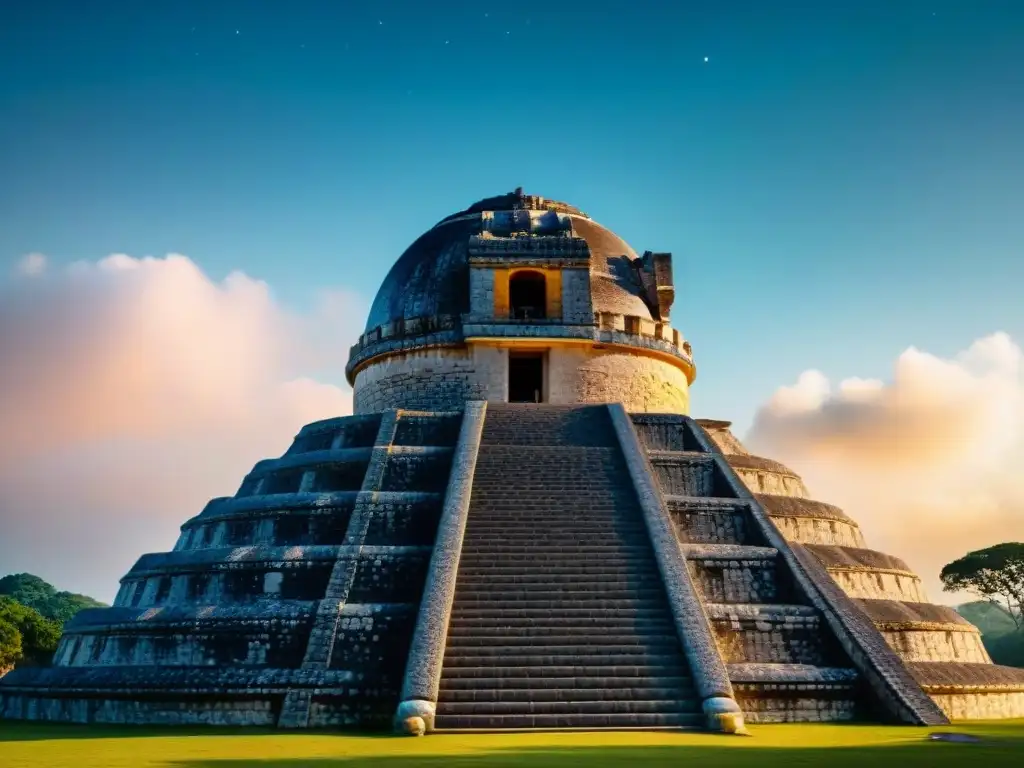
x=838, y=181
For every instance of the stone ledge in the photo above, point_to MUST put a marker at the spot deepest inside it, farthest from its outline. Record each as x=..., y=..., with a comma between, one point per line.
x=310, y=459
x=680, y=457
x=315, y=503
x=748, y=461
x=261, y=611
x=958, y=677
x=216, y=559
x=791, y=673
x=125, y=681
x=760, y=612
x=836, y=558
x=795, y=506
x=737, y=552
x=897, y=613
x=335, y=423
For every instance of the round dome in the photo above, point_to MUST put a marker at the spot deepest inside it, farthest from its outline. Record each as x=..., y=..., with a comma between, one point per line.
x=432, y=277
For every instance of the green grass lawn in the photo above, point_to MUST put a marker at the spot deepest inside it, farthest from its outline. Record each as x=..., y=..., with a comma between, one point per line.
x=835, y=746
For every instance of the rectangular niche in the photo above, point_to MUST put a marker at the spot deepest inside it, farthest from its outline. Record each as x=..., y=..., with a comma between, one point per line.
x=428, y=430
x=342, y=476
x=417, y=472
x=283, y=481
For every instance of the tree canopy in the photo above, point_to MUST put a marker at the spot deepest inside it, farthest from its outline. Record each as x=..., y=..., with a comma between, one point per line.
x=42, y=596
x=37, y=636
x=10, y=645
x=995, y=574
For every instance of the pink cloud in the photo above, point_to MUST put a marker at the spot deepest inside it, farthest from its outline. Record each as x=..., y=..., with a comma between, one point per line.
x=132, y=391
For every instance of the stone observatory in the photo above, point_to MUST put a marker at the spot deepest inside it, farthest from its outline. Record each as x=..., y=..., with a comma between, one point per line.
x=519, y=527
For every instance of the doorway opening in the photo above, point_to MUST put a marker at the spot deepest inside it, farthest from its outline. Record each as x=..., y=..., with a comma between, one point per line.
x=528, y=295
x=526, y=377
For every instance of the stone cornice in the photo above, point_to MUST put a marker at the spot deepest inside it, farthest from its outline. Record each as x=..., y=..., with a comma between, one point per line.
x=412, y=334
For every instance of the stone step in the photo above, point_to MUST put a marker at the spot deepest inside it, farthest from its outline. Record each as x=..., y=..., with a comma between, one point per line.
x=587, y=493
x=523, y=613
x=608, y=684
x=542, y=581
x=559, y=563
x=541, y=659
x=792, y=674
x=572, y=707
x=638, y=692
x=533, y=647
x=516, y=536
x=468, y=595
x=582, y=721
x=581, y=568
x=545, y=675
x=588, y=626
x=558, y=584
x=543, y=549
x=463, y=607
x=611, y=643
x=581, y=526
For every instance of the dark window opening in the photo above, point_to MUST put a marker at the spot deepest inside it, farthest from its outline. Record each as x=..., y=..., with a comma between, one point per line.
x=528, y=296
x=526, y=378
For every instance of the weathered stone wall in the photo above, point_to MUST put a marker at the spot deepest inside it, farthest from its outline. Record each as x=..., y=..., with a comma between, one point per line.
x=446, y=378
x=735, y=578
x=179, y=710
x=580, y=375
x=432, y=379
x=982, y=705
x=937, y=645
x=880, y=585
x=794, y=703
x=766, y=481
x=804, y=530
x=576, y=303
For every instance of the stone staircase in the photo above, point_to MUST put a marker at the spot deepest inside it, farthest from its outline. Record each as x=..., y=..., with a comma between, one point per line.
x=560, y=618
x=783, y=662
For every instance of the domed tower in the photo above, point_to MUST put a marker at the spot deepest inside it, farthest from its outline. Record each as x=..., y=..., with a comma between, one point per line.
x=522, y=299
x=519, y=527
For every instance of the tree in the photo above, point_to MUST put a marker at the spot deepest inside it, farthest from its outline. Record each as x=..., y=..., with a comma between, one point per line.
x=995, y=574
x=42, y=596
x=10, y=646
x=38, y=636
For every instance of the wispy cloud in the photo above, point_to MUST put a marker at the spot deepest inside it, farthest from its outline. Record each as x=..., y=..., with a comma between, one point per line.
x=929, y=462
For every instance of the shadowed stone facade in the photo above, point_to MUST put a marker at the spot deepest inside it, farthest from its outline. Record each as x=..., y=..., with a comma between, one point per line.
x=520, y=527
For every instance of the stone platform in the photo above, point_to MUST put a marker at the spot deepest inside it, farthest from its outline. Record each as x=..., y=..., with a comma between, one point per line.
x=517, y=566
